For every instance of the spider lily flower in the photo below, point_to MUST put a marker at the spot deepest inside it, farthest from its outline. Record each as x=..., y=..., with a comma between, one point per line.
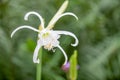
x=47, y=37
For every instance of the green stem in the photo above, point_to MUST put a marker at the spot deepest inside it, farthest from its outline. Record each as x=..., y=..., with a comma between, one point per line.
x=39, y=66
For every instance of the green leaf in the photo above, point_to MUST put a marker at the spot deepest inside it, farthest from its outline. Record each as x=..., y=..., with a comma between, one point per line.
x=73, y=66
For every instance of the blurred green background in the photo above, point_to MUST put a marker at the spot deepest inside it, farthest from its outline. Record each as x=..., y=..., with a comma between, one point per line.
x=98, y=31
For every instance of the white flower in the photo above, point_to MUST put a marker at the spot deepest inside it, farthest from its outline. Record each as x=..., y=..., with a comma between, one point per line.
x=47, y=37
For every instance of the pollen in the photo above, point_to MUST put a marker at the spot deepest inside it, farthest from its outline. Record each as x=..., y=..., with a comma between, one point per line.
x=49, y=46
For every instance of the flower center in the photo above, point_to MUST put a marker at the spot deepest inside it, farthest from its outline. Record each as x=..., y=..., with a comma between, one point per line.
x=48, y=46
x=45, y=35
x=49, y=39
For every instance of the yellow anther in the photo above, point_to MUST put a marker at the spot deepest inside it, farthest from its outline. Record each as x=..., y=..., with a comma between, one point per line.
x=45, y=35
x=48, y=46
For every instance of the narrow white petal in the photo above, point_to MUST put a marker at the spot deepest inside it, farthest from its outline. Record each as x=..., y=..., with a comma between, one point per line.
x=59, y=12
x=35, y=55
x=37, y=14
x=58, y=17
x=67, y=13
x=66, y=58
x=21, y=27
x=70, y=34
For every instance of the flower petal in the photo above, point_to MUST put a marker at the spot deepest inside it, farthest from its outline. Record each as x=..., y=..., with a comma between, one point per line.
x=70, y=34
x=21, y=27
x=67, y=13
x=66, y=58
x=35, y=55
x=58, y=17
x=59, y=12
x=37, y=14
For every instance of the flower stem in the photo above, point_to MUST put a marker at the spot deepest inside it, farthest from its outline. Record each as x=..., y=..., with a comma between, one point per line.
x=39, y=66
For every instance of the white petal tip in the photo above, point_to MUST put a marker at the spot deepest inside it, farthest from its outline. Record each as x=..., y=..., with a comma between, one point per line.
x=76, y=17
x=65, y=63
x=25, y=18
x=11, y=36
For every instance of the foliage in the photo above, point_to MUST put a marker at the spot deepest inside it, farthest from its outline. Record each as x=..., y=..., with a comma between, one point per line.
x=98, y=30
x=73, y=66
